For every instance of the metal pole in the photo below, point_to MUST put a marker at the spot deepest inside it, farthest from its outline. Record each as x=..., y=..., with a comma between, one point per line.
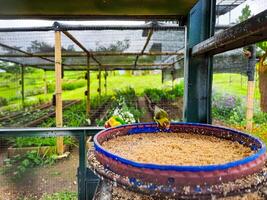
x=82, y=167
x=105, y=85
x=198, y=69
x=45, y=83
x=88, y=88
x=58, y=72
x=22, y=86
x=99, y=81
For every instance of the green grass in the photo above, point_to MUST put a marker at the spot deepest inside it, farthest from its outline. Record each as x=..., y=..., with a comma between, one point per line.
x=75, y=85
x=232, y=84
x=61, y=196
x=77, y=90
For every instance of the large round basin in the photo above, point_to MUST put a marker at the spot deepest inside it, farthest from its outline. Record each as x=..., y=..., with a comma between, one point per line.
x=177, y=175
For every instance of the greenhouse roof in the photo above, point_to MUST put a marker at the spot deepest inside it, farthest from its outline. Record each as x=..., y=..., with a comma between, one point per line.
x=108, y=9
x=110, y=47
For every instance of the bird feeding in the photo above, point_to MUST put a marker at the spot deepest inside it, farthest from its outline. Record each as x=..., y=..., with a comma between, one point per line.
x=162, y=173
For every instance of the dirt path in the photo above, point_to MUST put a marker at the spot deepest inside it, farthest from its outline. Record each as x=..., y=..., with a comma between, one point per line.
x=40, y=180
x=147, y=116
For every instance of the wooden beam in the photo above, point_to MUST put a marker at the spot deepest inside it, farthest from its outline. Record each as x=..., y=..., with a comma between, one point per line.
x=248, y=32
x=58, y=68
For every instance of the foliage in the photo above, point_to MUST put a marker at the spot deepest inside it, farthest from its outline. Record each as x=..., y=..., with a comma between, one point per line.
x=258, y=130
x=3, y=101
x=228, y=108
x=157, y=95
x=38, y=46
x=37, y=141
x=124, y=106
x=20, y=164
x=245, y=14
x=65, y=195
x=75, y=115
x=72, y=85
x=231, y=110
x=118, y=46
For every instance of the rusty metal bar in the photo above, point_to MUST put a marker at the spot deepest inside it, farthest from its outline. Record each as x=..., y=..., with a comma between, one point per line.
x=71, y=37
x=25, y=52
x=109, y=65
x=248, y=32
x=144, y=47
x=84, y=54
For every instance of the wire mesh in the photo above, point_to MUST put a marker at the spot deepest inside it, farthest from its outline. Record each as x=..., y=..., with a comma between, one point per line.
x=30, y=168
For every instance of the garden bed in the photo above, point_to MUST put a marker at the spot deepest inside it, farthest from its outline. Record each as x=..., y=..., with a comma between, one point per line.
x=13, y=151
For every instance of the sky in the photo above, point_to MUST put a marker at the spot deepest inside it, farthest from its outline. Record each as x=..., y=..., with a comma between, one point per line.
x=256, y=6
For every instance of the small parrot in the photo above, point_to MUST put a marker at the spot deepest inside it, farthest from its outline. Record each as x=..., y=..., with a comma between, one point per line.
x=114, y=121
x=161, y=117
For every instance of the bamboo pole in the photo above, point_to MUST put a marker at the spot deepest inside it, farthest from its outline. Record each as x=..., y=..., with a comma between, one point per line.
x=88, y=108
x=58, y=70
x=250, y=97
x=22, y=86
x=250, y=85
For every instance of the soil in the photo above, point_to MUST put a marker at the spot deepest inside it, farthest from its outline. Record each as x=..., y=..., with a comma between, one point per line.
x=175, y=148
x=147, y=116
x=173, y=108
x=41, y=180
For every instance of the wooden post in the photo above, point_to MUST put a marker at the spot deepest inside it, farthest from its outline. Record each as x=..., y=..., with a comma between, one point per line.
x=250, y=86
x=22, y=86
x=58, y=69
x=88, y=88
x=45, y=83
x=250, y=97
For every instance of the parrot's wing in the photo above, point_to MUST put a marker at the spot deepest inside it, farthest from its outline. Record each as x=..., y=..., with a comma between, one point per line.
x=120, y=120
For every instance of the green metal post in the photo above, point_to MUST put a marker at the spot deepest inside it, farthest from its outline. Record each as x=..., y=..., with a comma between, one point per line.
x=82, y=167
x=198, y=69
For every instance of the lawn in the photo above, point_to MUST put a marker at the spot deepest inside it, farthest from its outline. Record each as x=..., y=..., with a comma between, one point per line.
x=233, y=84
x=76, y=85
x=10, y=88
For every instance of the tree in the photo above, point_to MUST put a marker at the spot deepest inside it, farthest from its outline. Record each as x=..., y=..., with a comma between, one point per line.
x=245, y=14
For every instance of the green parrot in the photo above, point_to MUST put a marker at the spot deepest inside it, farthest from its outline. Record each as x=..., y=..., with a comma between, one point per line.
x=162, y=118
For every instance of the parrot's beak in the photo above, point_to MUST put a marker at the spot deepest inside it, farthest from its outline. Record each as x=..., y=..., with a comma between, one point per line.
x=167, y=125
x=107, y=125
